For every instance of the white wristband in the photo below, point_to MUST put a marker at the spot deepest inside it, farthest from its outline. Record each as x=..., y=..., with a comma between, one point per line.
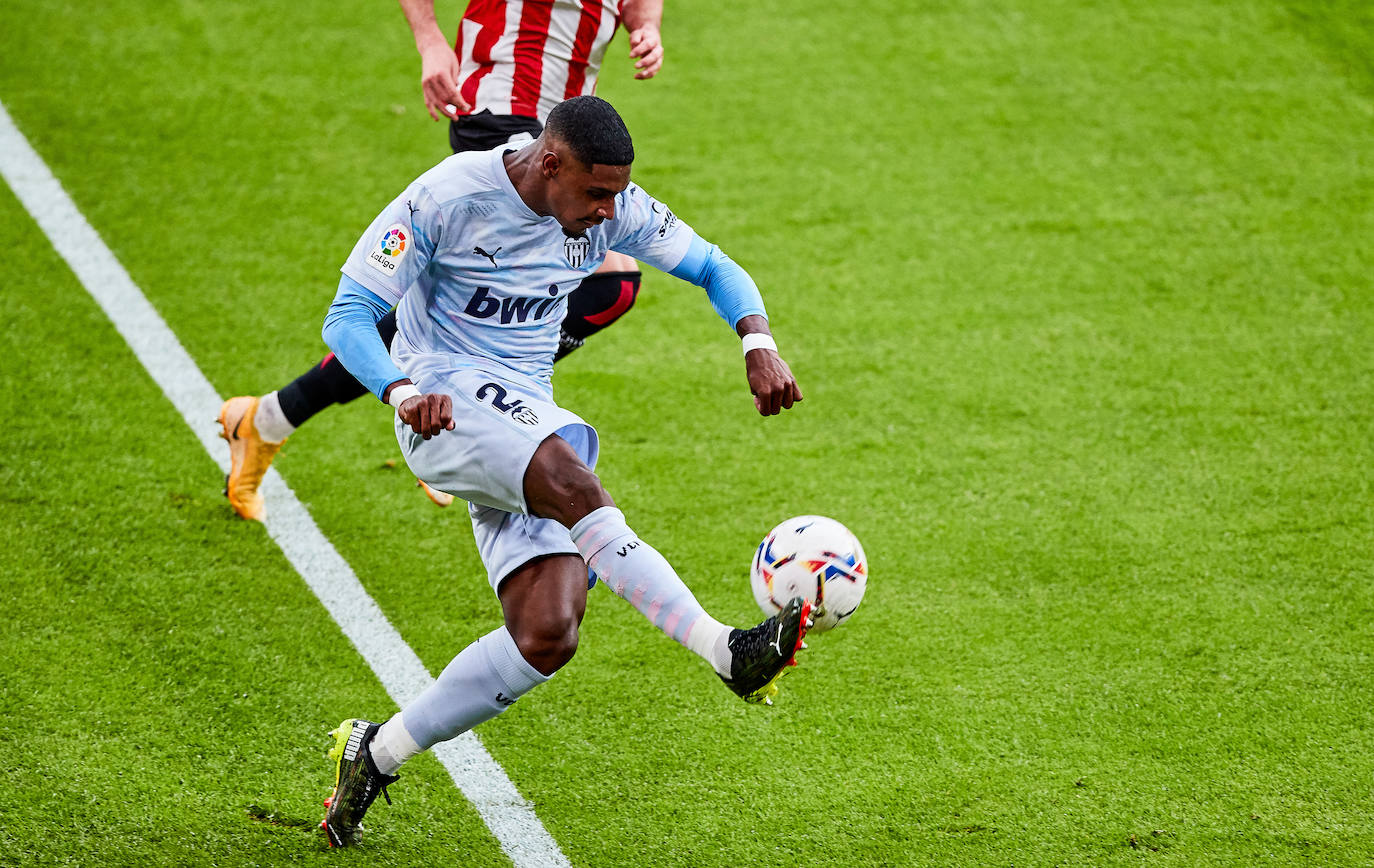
x=400, y=393
x=755, y=341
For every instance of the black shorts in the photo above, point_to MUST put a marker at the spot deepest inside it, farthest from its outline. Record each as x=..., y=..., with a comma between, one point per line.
x=484, y=130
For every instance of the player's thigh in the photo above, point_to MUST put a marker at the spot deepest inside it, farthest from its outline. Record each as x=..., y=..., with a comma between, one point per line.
x=507, y=541
x=498, y=427
x=560, y=485
x=618, y=262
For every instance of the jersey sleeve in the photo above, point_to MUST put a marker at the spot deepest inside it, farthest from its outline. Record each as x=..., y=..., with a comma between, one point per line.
x=350, y=330
x=398, y=245
x=649, y=231
x=732, y=292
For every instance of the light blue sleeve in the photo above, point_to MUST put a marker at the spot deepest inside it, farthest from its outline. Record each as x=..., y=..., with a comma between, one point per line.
x=350, y=330
x=732, y=291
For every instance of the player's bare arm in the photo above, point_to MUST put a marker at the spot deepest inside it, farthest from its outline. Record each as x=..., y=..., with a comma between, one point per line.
x=736, y=299
x=770, y=379
x=643, y=21
x=438, y=62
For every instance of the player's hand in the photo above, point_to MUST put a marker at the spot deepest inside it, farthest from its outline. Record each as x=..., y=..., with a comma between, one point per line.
x=771, y=381
x=427, y=414
x=439, y=81
x=646, y=44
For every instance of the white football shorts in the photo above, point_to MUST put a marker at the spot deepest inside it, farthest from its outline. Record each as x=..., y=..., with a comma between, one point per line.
x=498, y=425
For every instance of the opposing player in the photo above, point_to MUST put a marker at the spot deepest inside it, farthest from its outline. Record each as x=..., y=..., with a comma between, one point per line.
x=513, y=62
x=469, y=374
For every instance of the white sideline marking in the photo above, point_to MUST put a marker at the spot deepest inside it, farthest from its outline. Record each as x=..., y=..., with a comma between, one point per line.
x=480, y=778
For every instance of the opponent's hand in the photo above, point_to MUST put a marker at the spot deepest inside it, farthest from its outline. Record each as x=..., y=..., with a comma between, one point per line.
x=439, y=81
x=646, y=44
x=427, y=414
x=771, y=382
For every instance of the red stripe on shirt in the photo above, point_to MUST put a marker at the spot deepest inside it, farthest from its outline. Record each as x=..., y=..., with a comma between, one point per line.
x=587, y=29
x=529, y=57
x=490, y=16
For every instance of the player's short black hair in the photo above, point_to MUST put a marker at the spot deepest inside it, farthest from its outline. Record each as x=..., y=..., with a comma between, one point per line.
x=593, y=131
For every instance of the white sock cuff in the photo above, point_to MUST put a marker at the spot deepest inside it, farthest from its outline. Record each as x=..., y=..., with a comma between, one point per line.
x=598, y=529
x=270, y=420
x=392, y=745
x=510, y=664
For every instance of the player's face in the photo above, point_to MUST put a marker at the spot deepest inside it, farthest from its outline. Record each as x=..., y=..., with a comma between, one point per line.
x=583, y=196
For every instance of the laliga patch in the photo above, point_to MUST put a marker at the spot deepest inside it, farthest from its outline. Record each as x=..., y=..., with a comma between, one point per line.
x=390, y=249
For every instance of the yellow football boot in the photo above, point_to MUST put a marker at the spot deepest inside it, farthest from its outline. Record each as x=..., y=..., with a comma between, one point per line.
x=440, y=498
x=249, y=456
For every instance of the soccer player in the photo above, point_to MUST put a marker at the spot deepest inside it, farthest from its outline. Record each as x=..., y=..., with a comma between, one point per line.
x=478, y=329
x=518, y=60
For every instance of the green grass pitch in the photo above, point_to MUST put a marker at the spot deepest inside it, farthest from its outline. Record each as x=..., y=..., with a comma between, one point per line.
x=1080, y=297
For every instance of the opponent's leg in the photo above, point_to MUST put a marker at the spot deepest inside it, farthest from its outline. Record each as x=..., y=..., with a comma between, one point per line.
x=559, y=485
x=257, y=427
x=543, y=602
x=327, y=383
x=255, y=430
x=598, y=301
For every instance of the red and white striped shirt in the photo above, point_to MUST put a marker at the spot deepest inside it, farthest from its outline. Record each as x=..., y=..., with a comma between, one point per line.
x=523, y=57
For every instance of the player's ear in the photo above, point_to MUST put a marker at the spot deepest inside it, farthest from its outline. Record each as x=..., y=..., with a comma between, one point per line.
x=549, y=164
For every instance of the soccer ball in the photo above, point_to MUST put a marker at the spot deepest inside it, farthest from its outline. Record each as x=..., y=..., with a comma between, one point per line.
x=814, y=557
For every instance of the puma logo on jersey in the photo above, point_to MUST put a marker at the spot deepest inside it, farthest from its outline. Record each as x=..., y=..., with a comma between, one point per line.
x=492, y=255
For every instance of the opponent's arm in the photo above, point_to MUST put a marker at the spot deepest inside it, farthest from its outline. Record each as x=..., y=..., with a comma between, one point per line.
x=643, y=21
x=350, y=330
x=736, y=298
x=438, y=61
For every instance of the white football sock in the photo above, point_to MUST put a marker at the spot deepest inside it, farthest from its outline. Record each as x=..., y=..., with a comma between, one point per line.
x=481, y=682
x=270, y=420
x=638, y=573
x=391, y=746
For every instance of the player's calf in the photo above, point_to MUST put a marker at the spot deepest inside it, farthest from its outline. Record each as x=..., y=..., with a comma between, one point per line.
x=485, y=679
x=748, y=661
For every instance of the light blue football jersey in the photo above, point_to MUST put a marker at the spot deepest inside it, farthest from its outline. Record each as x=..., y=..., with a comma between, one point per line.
x=480, y=280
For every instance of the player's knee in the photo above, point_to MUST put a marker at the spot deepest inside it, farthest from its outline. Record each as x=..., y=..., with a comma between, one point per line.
x=579, y=484
x=560, y=486
x=600, y=300
x=548, y=644
x=579, y=493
